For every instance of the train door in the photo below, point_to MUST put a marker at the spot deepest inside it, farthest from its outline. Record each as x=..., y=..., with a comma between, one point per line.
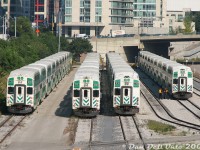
x=86, y=97
x=126, y=96
x=182, y=83
x=20, y=94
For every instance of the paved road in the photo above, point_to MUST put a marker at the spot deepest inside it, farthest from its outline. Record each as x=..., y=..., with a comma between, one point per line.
x=46, y=127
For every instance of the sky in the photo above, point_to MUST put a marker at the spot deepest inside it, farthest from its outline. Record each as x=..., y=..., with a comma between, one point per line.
x=180, y=4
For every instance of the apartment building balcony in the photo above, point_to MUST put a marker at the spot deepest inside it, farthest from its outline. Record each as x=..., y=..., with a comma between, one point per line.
x=122, y=16
x=90, y=24
x=130, y=23
x=122, y=1
x=123, y=7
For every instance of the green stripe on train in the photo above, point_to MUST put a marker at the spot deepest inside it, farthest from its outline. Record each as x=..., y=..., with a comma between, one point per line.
x=117, y=100
x=135, y=101
x=86, y=102
x=126, y=100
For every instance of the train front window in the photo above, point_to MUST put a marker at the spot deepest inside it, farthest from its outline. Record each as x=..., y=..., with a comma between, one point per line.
x=29, y=90
x=175, y=81
x=117, y=91
x=19, y=90
x=10, y=90
x=182, y=81
x=85, y=93
x=76, y=93
x=126, y=92
x=96, y=93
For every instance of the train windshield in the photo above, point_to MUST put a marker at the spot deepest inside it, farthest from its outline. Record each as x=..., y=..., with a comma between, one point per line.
x=29, y=90
x=175, y=81
x=10, y=90
x=76, y=93
x=95, y=93
x=117, y=91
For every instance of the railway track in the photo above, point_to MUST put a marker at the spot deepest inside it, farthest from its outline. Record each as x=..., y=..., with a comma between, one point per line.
x=196, y=87
x=9, y=125
x=191, y=107
x=164, y=113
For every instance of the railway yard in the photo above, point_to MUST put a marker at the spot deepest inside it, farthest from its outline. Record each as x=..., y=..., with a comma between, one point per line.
x=52, y=126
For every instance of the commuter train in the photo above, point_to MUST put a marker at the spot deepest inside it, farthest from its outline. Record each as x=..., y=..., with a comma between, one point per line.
x=177, y=78
x=86, y=87
x=124, y=85
x=29, y=85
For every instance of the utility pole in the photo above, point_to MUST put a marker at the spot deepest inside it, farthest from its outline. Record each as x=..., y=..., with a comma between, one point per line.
x=15, y=27
x=59, y=27
x=5, y=28
x=97, y=29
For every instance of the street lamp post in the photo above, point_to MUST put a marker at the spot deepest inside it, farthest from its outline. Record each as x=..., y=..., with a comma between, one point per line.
x=97, y=29
x=59, y=27
x=15, y=27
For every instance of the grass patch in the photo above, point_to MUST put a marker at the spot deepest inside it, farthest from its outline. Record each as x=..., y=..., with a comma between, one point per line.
x=160, y=127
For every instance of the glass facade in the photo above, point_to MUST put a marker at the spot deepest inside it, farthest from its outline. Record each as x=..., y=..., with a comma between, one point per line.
x=145, y=10
x=121, y=12
x=68, y=10
x=84, y=10
x=98, y=11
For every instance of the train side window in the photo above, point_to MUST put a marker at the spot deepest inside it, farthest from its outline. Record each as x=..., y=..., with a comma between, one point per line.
x=76, y=93
x=10, y=90
x=117, y=91
x=29, y=90
x=164, y=68
x=19, y=90
x=175, y=81
x=85, y=93
x=126, y=92
x=96, y=93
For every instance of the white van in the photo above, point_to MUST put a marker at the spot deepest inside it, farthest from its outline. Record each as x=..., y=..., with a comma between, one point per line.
x=83, y=36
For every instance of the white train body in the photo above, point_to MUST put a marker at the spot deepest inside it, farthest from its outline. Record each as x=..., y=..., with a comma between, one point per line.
x=124, y=85
x=86, y=87
x=177, y=78
x=27, y=86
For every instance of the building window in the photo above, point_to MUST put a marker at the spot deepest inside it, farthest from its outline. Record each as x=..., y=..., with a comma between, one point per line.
x=68, y=18
x=41, y=1
x=97, y=18
x=40, y=9
x=41, y=17
x=98, y=3
x=68, y=3
x=68, y=11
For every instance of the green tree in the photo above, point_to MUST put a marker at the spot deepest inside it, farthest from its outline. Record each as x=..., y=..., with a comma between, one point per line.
x=188, y=24
x=23, y=26
x=79, y=46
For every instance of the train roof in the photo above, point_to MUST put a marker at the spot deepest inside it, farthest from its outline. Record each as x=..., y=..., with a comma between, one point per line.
x=33, y=66
x=24, y=72
x=90, y=75
x=45, y=63
x=164, y=61
x=89, y=68
x=120, y=67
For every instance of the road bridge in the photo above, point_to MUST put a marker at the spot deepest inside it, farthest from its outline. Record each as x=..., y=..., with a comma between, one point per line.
x=129, y=47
